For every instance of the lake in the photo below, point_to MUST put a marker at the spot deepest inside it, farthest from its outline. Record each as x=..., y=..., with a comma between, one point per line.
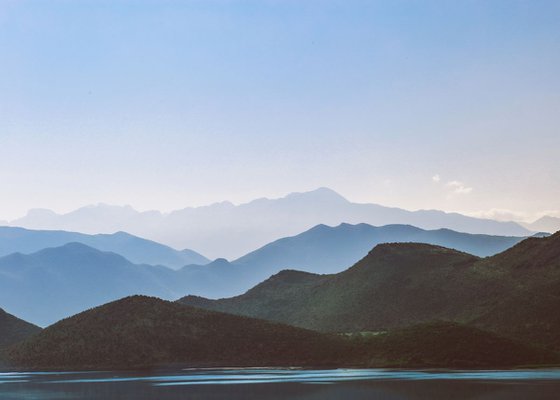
x=271, y=384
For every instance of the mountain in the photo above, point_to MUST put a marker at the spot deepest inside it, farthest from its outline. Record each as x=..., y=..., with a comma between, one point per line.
x=323, y=250
x=53, y=283
x=227, y=230
x=140, y=331
x=57, y=282
x=13, y=329
x=135, y=249
x=515, y=293
x=545, y=224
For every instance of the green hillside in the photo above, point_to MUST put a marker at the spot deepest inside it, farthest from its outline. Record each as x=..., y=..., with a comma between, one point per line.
x=144, y=331
x=515, y=293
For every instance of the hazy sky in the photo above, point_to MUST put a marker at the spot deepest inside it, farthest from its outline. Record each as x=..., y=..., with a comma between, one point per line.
x=161, y=104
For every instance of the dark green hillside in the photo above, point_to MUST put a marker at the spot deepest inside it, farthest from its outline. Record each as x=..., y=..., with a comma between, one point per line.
x=394, y=285
x=142, y=331
x=514, y=294
x=13, y=330
x=447, y=345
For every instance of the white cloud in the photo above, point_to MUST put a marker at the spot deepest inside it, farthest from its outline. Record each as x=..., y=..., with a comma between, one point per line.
x=458, y=187
x=436, y=178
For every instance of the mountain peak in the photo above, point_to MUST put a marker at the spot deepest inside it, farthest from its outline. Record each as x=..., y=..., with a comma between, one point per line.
x=319, y=194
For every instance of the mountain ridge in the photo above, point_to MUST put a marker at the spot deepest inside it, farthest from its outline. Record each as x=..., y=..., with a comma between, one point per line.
x=513, y=293
x=227, y=230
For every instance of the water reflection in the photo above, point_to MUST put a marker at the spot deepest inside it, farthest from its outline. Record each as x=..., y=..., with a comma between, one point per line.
x=274, y=384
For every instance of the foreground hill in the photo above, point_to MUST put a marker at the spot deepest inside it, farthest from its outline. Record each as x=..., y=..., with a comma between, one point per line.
x=447, y=345
x=141, y=331
x=514, y=293
x=135, y=249
x=13, y=329
x=324, y=249
x=228, y=230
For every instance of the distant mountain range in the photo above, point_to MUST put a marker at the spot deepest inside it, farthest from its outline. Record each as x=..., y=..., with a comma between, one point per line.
x=143, y=332
x=545, y=224
x=227, y=230
x=135, y=249
x=53, y=283
x=514, y=293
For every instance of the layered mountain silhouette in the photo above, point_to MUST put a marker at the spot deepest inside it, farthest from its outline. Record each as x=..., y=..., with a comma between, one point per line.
x=14, y=330
x=135, y=249
x=140, y=332
x=54, y=283
x=514, y=293
x=325, y=249
x=227, y=230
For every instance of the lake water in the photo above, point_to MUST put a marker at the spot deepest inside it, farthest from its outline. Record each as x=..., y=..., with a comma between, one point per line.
x=272, y=384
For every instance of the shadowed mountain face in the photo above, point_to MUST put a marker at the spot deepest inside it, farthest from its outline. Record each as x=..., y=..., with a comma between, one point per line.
x=226, y=230
x=135, y=249
x=514, y=293
x=13, y=329
x=141, y=331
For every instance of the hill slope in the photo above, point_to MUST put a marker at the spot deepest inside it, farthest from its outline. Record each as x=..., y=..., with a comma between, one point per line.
x=228, y=230
x=13, y=329
x=141, y=331
x=325, y=249
x=135, y=249
x=513, y=293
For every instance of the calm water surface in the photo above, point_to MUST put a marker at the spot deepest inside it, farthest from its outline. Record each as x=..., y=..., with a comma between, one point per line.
x=252, y=384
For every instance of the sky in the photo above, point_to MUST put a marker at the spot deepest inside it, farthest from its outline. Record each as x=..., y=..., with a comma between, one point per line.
x=451, y=105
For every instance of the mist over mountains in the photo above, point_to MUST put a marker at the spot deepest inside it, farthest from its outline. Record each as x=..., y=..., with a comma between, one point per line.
x=230, y=231
x=133, y=248
x=53, y=283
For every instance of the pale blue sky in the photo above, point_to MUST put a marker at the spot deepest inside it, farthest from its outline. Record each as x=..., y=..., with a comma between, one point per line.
x=163, y=104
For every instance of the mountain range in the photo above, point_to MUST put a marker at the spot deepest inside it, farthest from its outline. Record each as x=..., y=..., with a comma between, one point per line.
x=514, y=294
x=135, y=249
x=57, y=282
x=230, y=231
x=544, y=224
x=324, y=250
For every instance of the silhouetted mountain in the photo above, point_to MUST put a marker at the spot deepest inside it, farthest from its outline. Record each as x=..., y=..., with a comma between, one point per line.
x=545, y=224
x=57, y=282
x=145, y=332
x=514, y=293
x=325, y=249
x=13, y=329
x=227, y=230
x=135, y=249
